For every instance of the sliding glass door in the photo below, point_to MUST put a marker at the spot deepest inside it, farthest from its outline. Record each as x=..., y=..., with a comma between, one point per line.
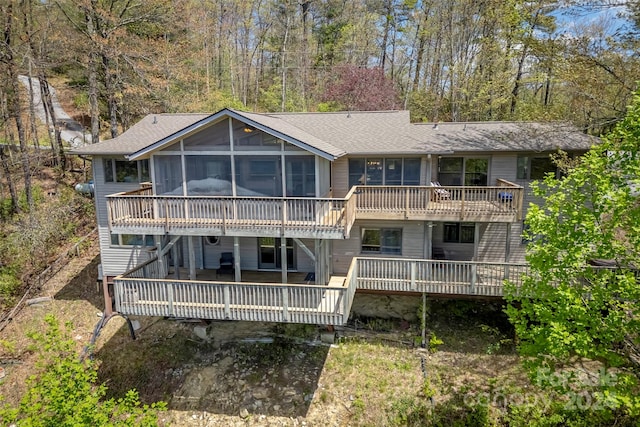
x=269, y=254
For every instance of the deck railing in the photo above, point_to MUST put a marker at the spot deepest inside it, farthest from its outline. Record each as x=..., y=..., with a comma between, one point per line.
x=436, y=276
x=501, y=200
x=264, y=302
x=142, y=212
x=289, y=216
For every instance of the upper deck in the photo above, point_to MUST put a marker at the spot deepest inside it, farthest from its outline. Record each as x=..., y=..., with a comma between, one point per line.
x=142, y=212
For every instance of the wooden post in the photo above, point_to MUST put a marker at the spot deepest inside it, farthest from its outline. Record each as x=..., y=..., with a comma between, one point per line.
x=474, y=276
x=414, y=286
x=285, y=304
x=476, y=241
x=108, y=302
x=176, y=262
x=429, y=240
x=236, y=258
x=423, y=321
x=170, y=298
x=192, y=258
x=227, y=301
x=283, y=258
x=507, y=247
x=406, y=203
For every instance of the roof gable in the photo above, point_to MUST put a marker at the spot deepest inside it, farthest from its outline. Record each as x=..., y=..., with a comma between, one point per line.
x=260, y=122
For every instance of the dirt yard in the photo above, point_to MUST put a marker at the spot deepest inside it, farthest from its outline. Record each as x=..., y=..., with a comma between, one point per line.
x=247, y=373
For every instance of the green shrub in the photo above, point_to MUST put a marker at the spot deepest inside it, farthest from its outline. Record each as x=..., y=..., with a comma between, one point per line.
x=434, y=342
x=65, y=392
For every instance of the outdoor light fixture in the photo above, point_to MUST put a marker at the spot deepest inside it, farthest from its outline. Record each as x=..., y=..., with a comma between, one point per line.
x=248, y=129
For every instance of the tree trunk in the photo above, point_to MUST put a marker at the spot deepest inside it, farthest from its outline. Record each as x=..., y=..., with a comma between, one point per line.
x=27, y=19
x=47, y=103
x=94, y=110
x=110, y=89
x=32, y=112
x=15, y=208
x=14, y=103
x=284, y=65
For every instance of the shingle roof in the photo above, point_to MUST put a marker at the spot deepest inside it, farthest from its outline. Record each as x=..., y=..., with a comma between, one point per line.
x=150, y=129
x=504, y=136
x=302, y=134
x=364, y=132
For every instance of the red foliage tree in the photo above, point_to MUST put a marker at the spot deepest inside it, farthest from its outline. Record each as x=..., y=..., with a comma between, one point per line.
x=361, y=89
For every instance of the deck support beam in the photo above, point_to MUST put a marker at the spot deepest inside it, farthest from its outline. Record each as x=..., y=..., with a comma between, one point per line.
x=192, y=258
x=423, y=321
x=428, y=240
x=305, y=249
x=283, y=259
x=176, y=262
x=319, y=268
x=236, y=259
x=476, y=241
x=507, y=245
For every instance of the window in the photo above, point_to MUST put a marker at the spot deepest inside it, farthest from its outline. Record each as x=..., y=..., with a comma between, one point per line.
x=356, y=172
x=535, y=167
x=475, y=172
x=377, y=171
x=258, y=175
x=463, y=171
x=212, y=240
x=126, y=171
x=382, y=240
x=459, y=232
x=132, y=240
x=300, y=176
x=250, y=138
x=450, y=170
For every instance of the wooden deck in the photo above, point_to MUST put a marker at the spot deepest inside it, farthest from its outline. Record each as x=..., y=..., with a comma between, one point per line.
x=147, y=290
x=501, y=203
x=226, y=300
x=437, y=277
x=141, y=212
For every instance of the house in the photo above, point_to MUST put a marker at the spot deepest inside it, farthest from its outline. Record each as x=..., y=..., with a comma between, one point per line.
x=283, y=217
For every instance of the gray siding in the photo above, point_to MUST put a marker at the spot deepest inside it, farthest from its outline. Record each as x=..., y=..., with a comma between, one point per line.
x=324, y=176
x=502, y=166
x=345, y=250
x=114, y=260
x=340, y=177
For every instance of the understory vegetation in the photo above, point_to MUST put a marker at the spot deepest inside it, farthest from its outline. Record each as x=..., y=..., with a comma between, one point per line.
x=33, y=237
x=64, y=390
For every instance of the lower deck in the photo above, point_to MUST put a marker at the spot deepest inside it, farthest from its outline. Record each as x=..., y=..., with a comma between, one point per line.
x=154, y=290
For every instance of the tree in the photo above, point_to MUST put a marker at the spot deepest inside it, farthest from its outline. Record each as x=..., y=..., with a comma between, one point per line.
x=567, y=311
x=9, y=63
x=361, y=89
x=66, y=393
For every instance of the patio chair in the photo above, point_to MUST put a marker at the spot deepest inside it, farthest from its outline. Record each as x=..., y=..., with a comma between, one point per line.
x=440, y=193
x=226, y=263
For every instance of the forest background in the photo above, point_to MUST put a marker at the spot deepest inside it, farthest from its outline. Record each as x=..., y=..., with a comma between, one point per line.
x=459, y=60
